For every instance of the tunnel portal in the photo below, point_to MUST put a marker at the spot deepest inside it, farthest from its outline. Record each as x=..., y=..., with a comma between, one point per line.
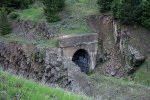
x=81, y=58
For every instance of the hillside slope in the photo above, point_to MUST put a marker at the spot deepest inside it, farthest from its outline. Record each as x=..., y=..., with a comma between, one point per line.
x=17, y=88
x=73, y=16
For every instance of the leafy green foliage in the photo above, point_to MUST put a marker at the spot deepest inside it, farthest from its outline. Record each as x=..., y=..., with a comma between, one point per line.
x=104, y=5
x=13, y=15
x=5, y=27
x=127, y=11
x=52, y=8
x=146, y=13
x=15, y=4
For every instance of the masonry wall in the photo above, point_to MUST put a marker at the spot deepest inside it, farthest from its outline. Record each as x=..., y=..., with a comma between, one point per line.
x=72, y=43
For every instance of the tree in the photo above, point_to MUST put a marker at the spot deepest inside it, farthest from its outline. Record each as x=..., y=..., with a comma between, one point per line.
x=5, y=27
x=15, y=4
x=127, y=11
x=146, y=13
x=52, y=8
x=104, y=5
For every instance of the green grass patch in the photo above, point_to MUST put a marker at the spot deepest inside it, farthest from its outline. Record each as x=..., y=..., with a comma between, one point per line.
x=42, y=42
x=142, y=75
x=77, y=11
x=72, y=18
x=17, y=88
x=111, y=80
x=35, y=14
x=118, y=87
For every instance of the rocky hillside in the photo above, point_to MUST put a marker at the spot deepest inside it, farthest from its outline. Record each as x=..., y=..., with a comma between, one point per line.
x=32, y=50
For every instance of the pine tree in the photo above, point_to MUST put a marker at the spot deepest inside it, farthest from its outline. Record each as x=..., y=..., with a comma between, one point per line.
x=104, y=5
x=5, y=27
x=15, y=4
x=127, y=11
x=52, y=8
x=146, y=13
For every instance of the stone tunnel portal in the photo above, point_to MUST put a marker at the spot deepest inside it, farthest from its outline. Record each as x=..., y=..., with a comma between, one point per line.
x=81, y=58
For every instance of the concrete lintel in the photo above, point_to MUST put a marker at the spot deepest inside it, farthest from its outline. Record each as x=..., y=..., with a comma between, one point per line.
x=74, y=40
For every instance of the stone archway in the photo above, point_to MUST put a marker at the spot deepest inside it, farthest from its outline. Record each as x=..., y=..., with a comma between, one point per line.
x=74, y=45
x=81, y=58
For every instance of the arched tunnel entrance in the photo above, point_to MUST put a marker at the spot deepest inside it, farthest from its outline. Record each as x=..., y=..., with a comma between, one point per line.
x=81, y=58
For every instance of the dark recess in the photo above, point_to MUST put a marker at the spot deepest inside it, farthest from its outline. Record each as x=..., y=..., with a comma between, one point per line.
x=81, y=58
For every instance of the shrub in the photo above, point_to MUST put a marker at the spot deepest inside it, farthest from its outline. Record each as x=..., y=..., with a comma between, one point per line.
x=15, y=4
x=52, y=8
x=13, y=15
x=146, y=13
x=104, y=5
x=5, y=27
x=127, y=11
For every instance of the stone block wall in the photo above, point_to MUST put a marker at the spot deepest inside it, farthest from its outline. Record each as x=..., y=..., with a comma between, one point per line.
x=70, y=44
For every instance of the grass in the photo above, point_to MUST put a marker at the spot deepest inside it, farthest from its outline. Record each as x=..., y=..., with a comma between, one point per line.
x=77, y=11
x=35, y=13
x=142, y=75
x=43, y=42
x=31, y=13
x=111, y=88
x=73, y=16
x=17, y=88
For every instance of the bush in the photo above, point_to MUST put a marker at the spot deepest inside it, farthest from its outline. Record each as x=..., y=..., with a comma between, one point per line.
x=5, y=27
x=15, y=4
x=114, y=8
x=104, y=5
x=13, y=15
x=146, y=14
x=52, y=8
x=127, y=11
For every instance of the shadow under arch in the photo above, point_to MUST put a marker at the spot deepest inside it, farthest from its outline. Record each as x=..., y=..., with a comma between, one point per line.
x=81, y=58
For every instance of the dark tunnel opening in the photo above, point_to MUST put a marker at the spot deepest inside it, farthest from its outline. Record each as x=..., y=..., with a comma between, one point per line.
x=81, y=58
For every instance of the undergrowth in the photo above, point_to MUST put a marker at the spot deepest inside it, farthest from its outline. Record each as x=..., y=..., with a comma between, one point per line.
x=42, y=42
x=72, y=18
x=17, y=88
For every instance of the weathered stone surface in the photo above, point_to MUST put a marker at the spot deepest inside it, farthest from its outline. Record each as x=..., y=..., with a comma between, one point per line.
x=80, y=82
x=115, y=45
x=70, y=44
x=34, y=62
x=75, y=40
x=135, y=56
x=33, y=30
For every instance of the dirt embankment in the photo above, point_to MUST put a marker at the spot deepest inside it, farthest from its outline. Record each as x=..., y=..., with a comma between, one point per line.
x=121, y=48
x=33, y=30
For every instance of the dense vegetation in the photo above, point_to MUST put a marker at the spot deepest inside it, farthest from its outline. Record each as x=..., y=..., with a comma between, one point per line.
x=145, y=18
x=104, y=5
x=128, y=11
x=52, y=8
x=5, y=27
x=15, y=4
